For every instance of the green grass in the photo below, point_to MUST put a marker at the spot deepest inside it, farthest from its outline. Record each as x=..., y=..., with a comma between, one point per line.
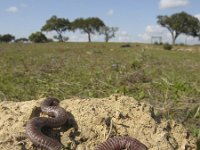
x=169, y=80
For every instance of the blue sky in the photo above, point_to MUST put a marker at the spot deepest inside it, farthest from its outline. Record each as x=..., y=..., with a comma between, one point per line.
x=136, y=20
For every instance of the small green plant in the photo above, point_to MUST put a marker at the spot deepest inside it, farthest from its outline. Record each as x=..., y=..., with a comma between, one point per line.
x=172, y=90
x=194, y=113
x=167, y=46
x=136, y=64
x=140, y=95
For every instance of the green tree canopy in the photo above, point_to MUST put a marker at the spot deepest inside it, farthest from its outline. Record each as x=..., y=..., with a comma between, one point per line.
x=21, y=40
x=7, y=38
x=59, y=25
x=180, y=23
x=38, y=37
x=89, y=25
x=108, y=32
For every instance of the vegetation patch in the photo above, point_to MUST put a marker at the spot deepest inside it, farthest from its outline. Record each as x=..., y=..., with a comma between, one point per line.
x=169, y=80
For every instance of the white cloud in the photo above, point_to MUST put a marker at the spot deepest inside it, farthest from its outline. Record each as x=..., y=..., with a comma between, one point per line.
x=12, y=9
x=154, y=29
x=123, y=33
x=151, y=30
x=15, y=9
x=73, y=37
x=110, y=12
x=144, y=37
x=79, y=38
x=122, y=36
x=198, y=16
x=164, y=4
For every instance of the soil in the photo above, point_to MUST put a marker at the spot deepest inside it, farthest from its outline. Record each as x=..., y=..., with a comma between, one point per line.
x=92, y=121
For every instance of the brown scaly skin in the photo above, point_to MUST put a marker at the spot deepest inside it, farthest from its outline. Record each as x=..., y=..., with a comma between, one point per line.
x=120, y=143
x=33, y=128
x=59, y=117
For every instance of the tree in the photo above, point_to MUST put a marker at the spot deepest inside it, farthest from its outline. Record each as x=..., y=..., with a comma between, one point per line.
x=21, y=40
x=59, y=25
x=180, y=23
x=7, y=38
x=89, y=25
x=109, y=32
x=38, y=37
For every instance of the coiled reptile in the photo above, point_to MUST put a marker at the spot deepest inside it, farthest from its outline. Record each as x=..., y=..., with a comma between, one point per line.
x=120, y=143
x=58, y=118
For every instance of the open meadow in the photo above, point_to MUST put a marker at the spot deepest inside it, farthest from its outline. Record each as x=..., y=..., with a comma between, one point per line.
x=167, y=79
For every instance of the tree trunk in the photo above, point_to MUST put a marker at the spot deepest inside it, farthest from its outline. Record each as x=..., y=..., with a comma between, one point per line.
x=89, y=37
x=60, y=38
x=173, y=37
x=106, y=38
x=173, y=40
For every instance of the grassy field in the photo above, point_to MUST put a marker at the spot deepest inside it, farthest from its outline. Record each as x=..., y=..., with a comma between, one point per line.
x=169, y=80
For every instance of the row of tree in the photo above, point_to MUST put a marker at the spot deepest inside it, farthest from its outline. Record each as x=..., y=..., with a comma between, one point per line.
x=89, y=26
x=177, y=24
x=6, y=38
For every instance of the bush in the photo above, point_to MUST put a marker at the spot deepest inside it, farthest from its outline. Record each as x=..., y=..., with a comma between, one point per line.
x=167, y=46
x=125, y=45
x=38, y=37
x=7, y=38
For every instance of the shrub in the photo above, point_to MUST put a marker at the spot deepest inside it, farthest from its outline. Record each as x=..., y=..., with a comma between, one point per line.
x=38, y=37
x=167, y=46
x=136, y=64
x=125, y=45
